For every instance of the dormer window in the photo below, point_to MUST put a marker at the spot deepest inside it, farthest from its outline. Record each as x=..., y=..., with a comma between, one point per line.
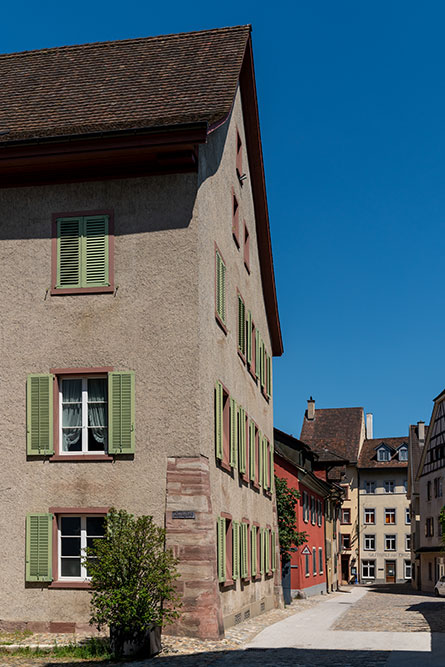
x=383, y=454
x=403, y=453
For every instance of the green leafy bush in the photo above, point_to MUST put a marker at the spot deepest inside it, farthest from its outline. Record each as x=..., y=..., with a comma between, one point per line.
x=132, y=575
x=289, y=536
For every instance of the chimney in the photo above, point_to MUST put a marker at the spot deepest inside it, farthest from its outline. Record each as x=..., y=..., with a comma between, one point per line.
x=421, y=431
x=369, y=425
x=311, y=408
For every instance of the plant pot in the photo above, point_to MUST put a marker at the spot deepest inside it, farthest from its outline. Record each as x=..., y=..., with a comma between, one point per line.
x=137, y=644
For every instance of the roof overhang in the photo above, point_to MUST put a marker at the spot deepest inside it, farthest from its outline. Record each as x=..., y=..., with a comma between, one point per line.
x=254, y=147
x=101, y=155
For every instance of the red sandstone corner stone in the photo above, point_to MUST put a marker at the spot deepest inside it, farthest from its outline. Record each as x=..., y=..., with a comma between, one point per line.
x=60, y=626
x=197, y=552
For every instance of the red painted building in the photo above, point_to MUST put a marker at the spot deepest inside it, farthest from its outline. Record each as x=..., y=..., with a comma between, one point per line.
x=307, y=572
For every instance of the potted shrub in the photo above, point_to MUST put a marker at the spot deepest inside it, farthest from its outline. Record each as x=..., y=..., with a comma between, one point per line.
x=133, y=584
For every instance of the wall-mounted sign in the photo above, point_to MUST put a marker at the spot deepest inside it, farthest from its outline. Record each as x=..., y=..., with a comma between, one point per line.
x=306, y=551
x=183, y=514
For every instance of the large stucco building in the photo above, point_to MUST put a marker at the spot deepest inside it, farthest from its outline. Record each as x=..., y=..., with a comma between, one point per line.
x=384, y=516
x=139, y=321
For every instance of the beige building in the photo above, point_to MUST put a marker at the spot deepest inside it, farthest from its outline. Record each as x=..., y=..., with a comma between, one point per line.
x=384, y=517
x=429, y=483
x=139, y=321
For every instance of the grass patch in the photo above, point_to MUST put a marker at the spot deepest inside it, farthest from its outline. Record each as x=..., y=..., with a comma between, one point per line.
x=93, y=648
x=8, y=638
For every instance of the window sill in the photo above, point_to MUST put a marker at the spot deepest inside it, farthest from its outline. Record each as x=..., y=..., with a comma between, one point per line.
x=247, y=267
x=224, y=465
x=81, y=457
x=227, y=583
x=253, y=374
x=242, y=356
x=70, y=584
x=221, y=323
x=60, y=291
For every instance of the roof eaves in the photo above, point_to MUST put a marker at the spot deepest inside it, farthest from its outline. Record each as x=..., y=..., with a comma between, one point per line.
x=254, y=147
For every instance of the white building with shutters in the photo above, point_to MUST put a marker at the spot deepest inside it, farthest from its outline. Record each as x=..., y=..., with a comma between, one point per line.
x=139, y=320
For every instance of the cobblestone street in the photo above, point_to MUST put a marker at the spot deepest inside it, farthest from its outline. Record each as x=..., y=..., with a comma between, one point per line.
x=396, y=608
x=407, y=626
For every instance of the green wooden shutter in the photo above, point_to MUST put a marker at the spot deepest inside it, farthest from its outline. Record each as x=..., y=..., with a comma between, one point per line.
x=274, y=552
x=95, y=251
x=262, y=368
x=252, y=449
x=235, y=550
x=253, y=551
x=233, y=434
x=249, y=338
x=269, y=376
x=219, y=420
x=261, y=550
x=69, y=234
x=39, y=547
x=220, y=287
x=244, y=548
x=272, y=468
x=221, y=547
x=242, y=439
x=39, y=408
x=241, y=326
x=121, y=412
x=260, y=458
x=267, y=550
x=257, y=353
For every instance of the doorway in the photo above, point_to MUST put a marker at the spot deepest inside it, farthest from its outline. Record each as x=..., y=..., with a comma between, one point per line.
x=345, y=569
x=390, y=571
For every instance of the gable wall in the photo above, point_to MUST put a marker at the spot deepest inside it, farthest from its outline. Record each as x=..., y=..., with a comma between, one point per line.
x=148, y=326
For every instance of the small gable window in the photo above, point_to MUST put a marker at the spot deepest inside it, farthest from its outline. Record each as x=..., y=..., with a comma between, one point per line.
x=403, y=454
x=383, y=454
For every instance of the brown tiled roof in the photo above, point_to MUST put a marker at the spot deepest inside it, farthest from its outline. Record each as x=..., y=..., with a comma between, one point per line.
x=337, y=429
x=368, y=454
x=134, y=83
x=326, y=454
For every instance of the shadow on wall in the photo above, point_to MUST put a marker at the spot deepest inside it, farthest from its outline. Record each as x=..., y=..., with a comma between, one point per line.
x=286, y=657
x=141, y=204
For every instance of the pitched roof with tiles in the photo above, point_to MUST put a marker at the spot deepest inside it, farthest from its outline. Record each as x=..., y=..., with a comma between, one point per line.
x=134, y=83
x=337, y=429
x=368, y=454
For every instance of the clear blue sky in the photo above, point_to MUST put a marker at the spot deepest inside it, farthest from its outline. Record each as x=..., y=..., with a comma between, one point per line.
x=352, y=107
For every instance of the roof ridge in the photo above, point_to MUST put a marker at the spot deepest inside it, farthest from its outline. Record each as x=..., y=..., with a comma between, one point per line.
x=358, y=407
x=132, y=40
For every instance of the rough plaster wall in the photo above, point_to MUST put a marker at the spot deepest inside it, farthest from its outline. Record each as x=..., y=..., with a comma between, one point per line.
x=428, y=508
x=219, y=359
x=149, y=326
x=379, y=501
